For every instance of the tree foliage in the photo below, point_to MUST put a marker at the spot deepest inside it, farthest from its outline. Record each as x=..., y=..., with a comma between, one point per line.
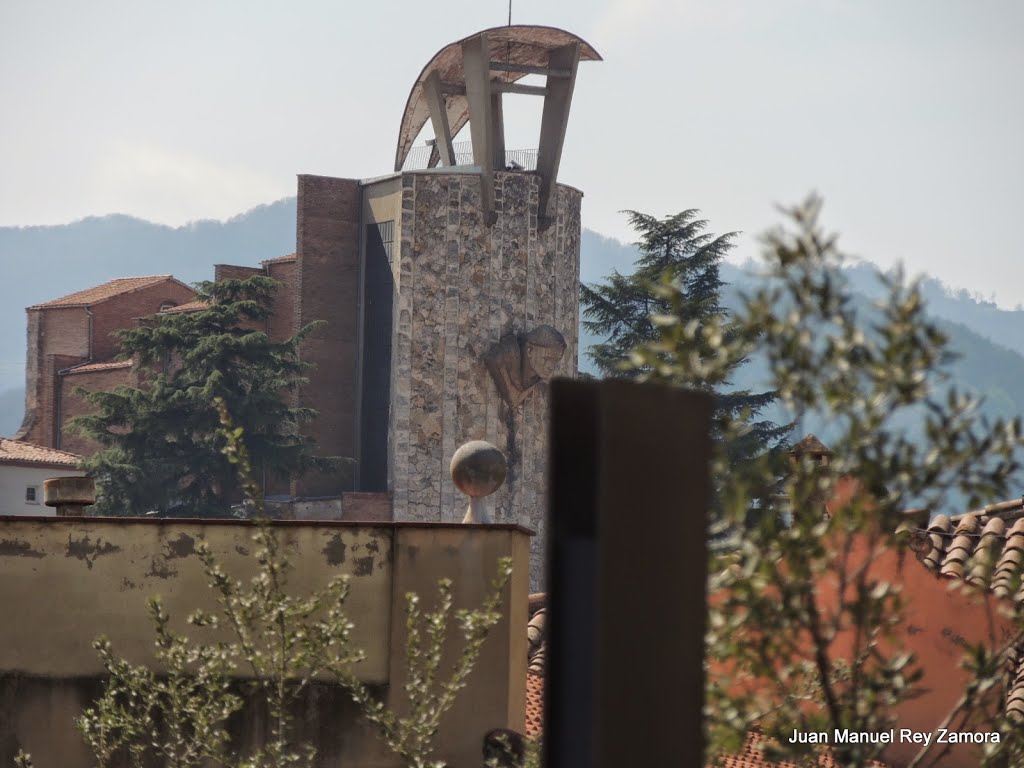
x=160, y=445
x=786, y=651
x=280, y=643
x=627, y=311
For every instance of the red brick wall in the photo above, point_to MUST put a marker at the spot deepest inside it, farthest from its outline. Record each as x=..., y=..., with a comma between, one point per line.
x=282, y=324
x=57, y=338
x=327, y=231
x=65, y=332
x=233, y=272
x=29, y=429
x=366, y=507
x=72, y=405
x=122, y=311
x=280, y=328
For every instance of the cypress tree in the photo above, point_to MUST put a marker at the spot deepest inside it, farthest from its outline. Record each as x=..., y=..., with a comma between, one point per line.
x=623, y=310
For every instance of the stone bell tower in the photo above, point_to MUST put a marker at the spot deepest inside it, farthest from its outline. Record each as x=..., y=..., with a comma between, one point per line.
x=467, y=280
x=487, y=276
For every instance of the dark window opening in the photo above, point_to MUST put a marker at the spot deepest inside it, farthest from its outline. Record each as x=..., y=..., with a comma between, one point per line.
x=379, y=300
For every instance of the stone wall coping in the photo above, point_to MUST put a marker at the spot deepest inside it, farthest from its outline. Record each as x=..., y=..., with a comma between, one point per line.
x=396, y=525
x=452, y=169
x=371, y=180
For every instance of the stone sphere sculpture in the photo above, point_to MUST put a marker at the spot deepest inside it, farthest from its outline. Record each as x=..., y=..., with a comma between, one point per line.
x=478, y=470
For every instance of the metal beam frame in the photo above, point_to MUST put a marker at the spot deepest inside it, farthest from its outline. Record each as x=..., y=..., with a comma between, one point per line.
x=497, y=86
x=432, y=92
x=524, y=90
x=498, y=130
x=554, y=120
x=500, y=66
x=475, y=56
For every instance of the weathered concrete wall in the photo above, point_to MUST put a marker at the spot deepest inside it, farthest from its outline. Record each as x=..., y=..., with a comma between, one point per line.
x=496, y=692
x=462, y=286
x=100, y=572
x=96, y=574
x=35, y=714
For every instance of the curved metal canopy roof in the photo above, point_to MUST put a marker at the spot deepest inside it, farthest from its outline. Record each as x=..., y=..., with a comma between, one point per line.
x=521, y=45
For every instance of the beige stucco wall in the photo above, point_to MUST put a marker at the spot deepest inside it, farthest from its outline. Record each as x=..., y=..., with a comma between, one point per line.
x=68, y=580
x=14, y=479
x=496, y=692
x=462, y=286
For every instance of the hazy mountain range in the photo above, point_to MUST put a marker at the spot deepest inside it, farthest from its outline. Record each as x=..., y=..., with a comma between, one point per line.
x=42, y=263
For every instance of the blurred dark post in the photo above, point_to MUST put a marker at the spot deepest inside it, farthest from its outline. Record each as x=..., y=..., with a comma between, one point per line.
x=627, y=572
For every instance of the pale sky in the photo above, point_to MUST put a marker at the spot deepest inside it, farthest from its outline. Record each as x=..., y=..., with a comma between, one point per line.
x=907, y=115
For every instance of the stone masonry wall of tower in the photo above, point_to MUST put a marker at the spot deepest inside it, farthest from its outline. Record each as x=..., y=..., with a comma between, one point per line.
x=463, y=288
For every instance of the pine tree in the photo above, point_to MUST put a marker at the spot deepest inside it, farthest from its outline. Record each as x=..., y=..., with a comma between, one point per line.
x=624, y=310
x=161, y=449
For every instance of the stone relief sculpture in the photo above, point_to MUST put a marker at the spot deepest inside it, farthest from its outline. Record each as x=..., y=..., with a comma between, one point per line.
x=518, y=363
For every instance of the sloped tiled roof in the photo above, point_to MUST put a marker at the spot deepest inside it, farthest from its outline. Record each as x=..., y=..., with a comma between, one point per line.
x=534, y=705
x=984, y=550
x=17, y=452
x=537, y=644
x=91, y=367
x=107, y=290
x=812, y=446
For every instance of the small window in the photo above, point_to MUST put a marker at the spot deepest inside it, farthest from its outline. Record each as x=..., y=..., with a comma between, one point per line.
x=32, y=494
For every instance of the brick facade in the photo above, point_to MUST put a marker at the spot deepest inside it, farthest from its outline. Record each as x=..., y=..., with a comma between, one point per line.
x=283, y=322
x=70, y=404
x=63, y=336
x=327, y=242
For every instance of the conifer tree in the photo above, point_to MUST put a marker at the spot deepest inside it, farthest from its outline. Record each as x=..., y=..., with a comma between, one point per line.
x=161, y=449
x=626, y=311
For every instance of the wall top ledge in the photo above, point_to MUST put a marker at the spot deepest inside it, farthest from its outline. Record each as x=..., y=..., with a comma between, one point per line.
x=220, y=521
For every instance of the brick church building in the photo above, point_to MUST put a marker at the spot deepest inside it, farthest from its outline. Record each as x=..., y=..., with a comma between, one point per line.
x=449, y=290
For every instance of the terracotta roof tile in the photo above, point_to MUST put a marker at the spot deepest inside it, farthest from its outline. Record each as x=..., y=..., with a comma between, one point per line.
x=91, y=367
x=107, y=290
x=534, y=725
x=810, y=446
x=979, y=547
x=17, y=452
x=984, y=548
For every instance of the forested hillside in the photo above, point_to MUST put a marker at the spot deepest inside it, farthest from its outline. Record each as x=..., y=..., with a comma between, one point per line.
x=41, y=263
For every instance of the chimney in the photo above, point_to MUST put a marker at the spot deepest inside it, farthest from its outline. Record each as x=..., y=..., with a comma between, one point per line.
x=70, y=495
x=810, y=447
